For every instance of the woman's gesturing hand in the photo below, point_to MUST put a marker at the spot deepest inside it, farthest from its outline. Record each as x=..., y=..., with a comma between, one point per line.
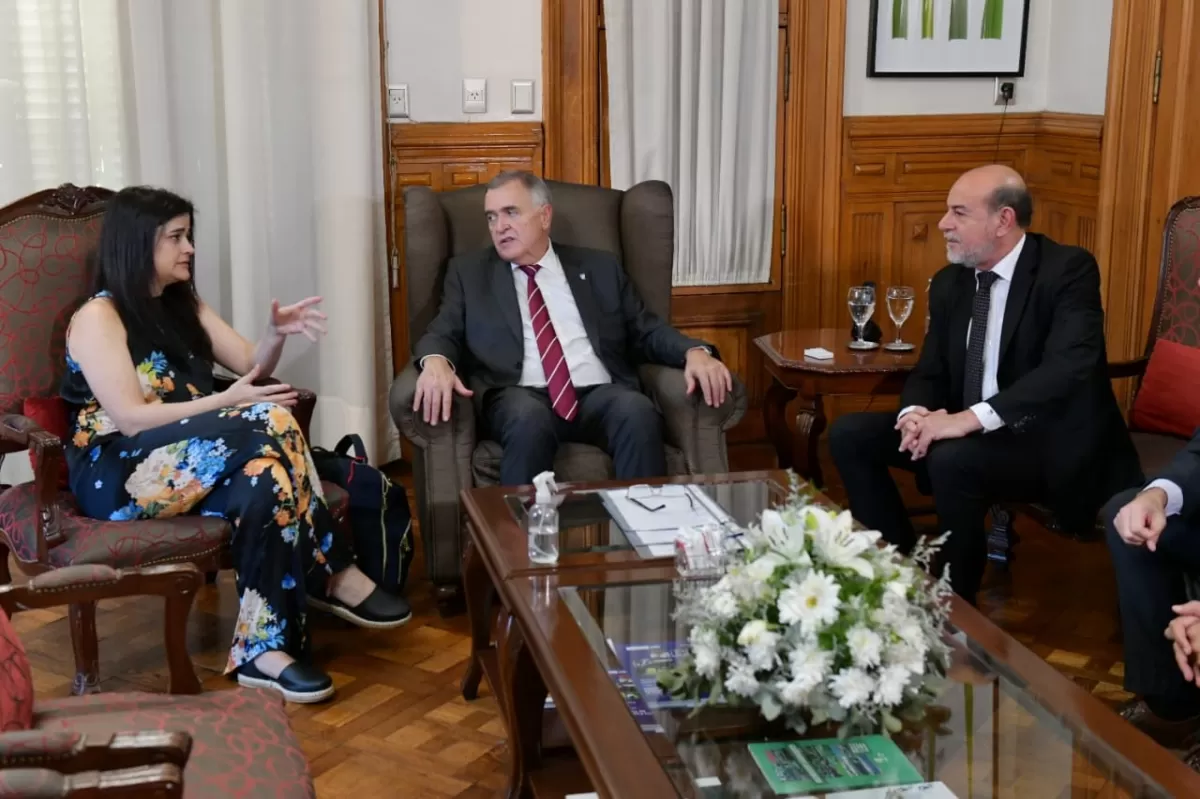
x=298, y=318
x=244, y=390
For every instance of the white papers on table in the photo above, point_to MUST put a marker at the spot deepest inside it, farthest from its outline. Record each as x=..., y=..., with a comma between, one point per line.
x=656, y=530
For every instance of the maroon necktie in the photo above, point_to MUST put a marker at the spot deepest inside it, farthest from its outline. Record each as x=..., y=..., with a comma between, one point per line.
x=554, y=363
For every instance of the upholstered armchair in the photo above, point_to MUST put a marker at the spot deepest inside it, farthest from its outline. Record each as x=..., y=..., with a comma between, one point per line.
x=45, y=240
x=638, y=226
x=1176, y=322
x=235, y=743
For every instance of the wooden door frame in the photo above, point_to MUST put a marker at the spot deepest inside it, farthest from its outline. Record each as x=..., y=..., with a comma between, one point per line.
x=1124, y=232
x=812, y=183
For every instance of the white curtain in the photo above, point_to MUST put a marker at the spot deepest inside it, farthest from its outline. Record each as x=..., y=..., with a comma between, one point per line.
x=691, y=100
x=265, y=113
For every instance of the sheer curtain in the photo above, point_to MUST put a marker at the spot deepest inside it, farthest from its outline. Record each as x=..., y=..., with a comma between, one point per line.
x=691, y=100
x=264, y=113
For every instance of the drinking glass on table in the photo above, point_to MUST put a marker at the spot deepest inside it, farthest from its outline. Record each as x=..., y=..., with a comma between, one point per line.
x=900, y=304
x=861, y=300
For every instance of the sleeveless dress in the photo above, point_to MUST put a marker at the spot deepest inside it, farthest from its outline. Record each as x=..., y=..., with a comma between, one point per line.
x=248, y=463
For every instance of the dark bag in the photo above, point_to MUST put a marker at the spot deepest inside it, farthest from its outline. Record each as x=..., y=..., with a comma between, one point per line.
x=380, y=518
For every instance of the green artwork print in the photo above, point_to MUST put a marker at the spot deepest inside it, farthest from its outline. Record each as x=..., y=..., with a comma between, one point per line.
x=926, y=19
x=993, y=20
x=899, y=19
x=958, y=19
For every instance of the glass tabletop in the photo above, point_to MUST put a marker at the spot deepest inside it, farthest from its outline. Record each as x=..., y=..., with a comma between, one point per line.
x=646, y=518
x=988, y=736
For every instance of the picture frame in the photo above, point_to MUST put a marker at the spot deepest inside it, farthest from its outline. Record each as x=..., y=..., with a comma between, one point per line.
x=947, y=38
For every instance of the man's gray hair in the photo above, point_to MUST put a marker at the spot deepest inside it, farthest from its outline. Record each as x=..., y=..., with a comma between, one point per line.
x=1015, y=197
x=537, y=187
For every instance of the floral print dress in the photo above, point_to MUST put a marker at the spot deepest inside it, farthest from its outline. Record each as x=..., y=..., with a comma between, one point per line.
x=249, y=464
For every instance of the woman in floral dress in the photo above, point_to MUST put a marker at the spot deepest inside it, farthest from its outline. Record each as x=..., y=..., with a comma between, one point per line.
x=151, y=439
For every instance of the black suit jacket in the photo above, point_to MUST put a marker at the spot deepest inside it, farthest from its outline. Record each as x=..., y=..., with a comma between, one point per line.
x=478, y=326
x=1052, y=373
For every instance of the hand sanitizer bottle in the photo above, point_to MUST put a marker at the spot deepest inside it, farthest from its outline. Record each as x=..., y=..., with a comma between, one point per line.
x=543, y=521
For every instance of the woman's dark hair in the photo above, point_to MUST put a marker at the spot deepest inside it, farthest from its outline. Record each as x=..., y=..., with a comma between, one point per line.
x=123, y=265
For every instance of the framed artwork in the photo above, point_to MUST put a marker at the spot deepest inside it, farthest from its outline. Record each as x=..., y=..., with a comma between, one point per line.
x=947, y=38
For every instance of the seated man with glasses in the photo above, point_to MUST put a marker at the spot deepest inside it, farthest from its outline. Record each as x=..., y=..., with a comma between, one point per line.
x=549, y=337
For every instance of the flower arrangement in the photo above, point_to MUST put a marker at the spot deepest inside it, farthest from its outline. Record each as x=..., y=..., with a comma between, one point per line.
x=816, y=622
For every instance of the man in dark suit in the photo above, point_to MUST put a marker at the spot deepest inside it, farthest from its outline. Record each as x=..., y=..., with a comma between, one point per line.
x=548, y=338
x=1010, y=399
x=1154, y=538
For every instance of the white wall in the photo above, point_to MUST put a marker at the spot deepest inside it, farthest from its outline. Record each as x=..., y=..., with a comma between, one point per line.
x=434, y=44
x=1066, y=68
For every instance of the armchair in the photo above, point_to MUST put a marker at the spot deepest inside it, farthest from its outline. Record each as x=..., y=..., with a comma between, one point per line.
x=45, y=240
x=1176, y=312
x=638, y=226
x=141, y=744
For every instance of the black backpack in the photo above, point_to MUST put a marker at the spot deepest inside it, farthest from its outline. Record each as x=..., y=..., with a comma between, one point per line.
x=380, y=518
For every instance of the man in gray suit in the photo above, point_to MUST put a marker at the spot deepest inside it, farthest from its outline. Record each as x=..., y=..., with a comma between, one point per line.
x=548, y=338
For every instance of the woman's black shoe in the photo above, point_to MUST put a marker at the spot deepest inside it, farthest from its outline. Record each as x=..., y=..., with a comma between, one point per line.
x=299, y=682
x=379, y=611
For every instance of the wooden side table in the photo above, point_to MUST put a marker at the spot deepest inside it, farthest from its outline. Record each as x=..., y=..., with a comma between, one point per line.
x=876, y=372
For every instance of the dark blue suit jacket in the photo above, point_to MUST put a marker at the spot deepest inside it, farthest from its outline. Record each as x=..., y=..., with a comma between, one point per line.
x=478, y=326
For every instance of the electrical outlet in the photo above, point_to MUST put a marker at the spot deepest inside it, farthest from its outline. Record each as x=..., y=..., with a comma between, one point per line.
x=397, y=101
x=1006, y=92
x=474, y=95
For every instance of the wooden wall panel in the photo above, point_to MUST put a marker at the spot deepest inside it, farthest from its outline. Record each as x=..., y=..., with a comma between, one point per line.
x=447, y=156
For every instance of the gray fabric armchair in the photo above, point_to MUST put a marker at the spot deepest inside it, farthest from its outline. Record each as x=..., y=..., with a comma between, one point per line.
x=638, y=226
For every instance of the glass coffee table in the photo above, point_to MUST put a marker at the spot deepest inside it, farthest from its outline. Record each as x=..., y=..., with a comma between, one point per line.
x=1007, y=724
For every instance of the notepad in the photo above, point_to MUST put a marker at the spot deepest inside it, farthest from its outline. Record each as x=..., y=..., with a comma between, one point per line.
x=818, y=353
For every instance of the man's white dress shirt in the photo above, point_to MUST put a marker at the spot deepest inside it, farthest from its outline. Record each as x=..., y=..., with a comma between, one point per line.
x=1003, y=270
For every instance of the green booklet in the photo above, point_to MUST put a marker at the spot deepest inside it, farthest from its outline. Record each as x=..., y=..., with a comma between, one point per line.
x=833, y=764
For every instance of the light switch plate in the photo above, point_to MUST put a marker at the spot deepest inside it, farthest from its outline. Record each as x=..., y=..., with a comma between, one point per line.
x=522, y=97
x=397, y=103
x=474, y=95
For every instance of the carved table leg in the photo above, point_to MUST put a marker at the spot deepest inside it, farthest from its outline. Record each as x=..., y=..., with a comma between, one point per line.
x=522, y=706
x=775, y=418
x=810, y=423
x=478, y=592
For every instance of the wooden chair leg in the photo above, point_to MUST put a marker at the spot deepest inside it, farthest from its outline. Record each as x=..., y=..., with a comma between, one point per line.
x=87, y=648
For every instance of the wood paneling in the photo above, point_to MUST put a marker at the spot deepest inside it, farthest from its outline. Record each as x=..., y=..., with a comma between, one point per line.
x=447, y=156
x=896, y=172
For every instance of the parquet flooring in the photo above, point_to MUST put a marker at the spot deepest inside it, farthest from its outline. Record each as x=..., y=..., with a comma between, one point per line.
x=398, y=727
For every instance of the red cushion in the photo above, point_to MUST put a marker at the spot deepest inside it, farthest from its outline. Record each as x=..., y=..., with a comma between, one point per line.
x=1169, y=400
x=50, y=413
x=16, y=680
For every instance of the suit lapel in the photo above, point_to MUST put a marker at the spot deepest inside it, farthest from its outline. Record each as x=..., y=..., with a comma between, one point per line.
x=960, y=320
x=505, y=291
x=1018, y=293
x=581, y=289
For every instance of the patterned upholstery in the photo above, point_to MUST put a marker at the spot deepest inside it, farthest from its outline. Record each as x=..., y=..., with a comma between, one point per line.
x=1178, y=305
x=242, y=742
x=16, y=680
x=122, y=544
x=42, y=281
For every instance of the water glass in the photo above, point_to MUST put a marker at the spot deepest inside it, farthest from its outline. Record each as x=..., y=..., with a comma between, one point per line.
x=900, y=301
x=861, y=301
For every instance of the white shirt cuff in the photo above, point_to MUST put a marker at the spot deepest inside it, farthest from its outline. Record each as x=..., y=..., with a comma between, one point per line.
x=1174, y=495
x=706, y=350
x=987, y=417
x=904, y=412
x=421, y=363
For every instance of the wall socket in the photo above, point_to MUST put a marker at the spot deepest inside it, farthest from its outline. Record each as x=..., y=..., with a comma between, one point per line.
x=397, y=101
x=1006, y=92
x=474, y=95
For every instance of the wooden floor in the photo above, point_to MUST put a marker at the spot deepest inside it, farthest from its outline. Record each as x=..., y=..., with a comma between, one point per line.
x=398, y=727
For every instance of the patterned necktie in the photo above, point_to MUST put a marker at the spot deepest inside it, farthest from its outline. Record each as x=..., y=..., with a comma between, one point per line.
x=554, y=363
x=973, y=383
